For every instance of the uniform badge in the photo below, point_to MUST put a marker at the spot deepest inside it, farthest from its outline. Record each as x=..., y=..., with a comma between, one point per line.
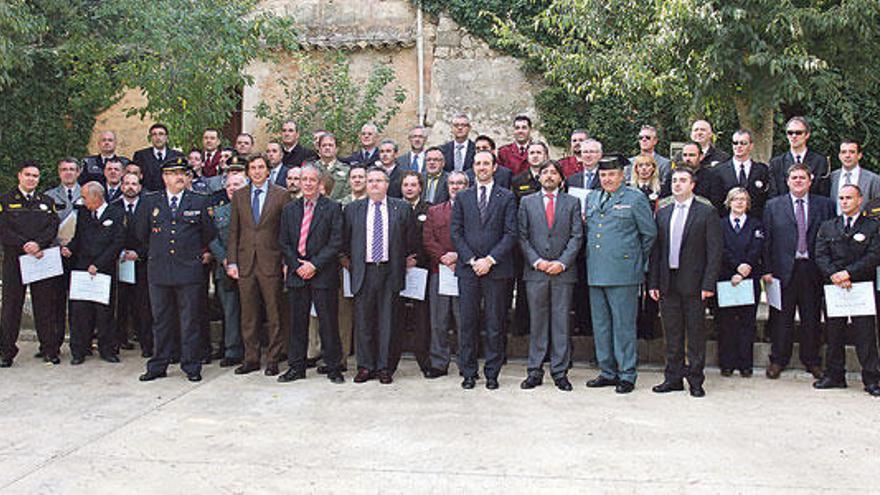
x=859, y=237
x=422, y=217
x=156, y=212
x=759, y=184
x=759, y=234
x=14, y=206
x=107, y=223
x=44, y=207
x=653, y=196
x=191, y=213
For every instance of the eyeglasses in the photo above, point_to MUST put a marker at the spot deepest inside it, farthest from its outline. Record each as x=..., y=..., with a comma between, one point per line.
x=741, y=143
x=795, y=132
x=457, y=183
x=645, y=138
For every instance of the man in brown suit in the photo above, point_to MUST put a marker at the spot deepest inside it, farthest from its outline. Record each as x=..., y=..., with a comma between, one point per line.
x=254, y=259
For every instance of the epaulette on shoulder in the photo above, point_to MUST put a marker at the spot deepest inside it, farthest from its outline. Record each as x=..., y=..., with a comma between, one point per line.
x=152, y=193
x=668, y=200
x=703, y=200
x=201, y=193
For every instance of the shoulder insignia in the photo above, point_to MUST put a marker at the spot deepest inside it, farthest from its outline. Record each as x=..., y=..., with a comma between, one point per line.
x=665, y=201
x=703, y=200
x=152, y=193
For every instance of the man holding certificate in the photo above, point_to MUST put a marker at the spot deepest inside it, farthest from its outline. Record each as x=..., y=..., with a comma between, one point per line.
x=100, y=236
x=28, y=225
x=848, y=251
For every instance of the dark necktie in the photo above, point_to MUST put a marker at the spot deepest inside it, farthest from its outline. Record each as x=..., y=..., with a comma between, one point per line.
x=415, y=162
x=798, y=159
x=174, y=205
x=483, y=203
x=848, y=225
x=737, y=227
x=801, y=217
x=377, y=247
x=131, y=209
x=255, y=205
x=742, y=175
x=588, y=180
x=70, y=195
x=160, y=156
x=605, y=197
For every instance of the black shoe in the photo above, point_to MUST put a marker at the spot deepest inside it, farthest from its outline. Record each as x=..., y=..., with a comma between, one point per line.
x=336, y=377
x=150, y=376
x=291, y=375
x=726, y=372
x=271, y=369
x=206, y=361
x=435, y=373
x=624, y=387
x=175, y=360
x=386, y=377
x=5, y=362
x=492, y=383
x=77, y=360
x=697, y=391
x=195, y=377
x=312, y=363
x=38, y=355
x=146, y=354
x=52, y=359
x=600, y=381
x=228, y=362
x=325, y=370
x=563, y=384
x=666, y=387
x=873, y=389
x=531, y=382
x=247, y=368
x=218, y=354
x=828, y=382
x=111, y=358
x=126, y=346
x=469, y=382
x=746, y=373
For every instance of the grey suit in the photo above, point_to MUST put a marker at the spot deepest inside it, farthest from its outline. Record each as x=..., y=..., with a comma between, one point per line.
x=63, y=204
x=869, y=183
x=549, y=296
x=404, y=161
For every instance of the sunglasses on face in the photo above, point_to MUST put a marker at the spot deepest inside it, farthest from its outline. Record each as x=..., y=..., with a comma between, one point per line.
x=795, y=133
x=741, y=143
x=645, y=138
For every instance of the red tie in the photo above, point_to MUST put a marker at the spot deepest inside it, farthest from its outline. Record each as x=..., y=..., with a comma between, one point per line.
x=550, y=210
x=304, y=228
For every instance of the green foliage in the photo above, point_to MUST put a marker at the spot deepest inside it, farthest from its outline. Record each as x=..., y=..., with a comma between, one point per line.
x=324, y=96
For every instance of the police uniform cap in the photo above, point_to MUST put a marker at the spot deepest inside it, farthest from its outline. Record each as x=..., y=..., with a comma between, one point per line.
x=235, y=164
x=612, y=161
x=174, y=164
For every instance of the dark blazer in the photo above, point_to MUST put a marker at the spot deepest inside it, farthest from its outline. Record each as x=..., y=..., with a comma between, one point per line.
x=448, y=149
x=322, y=246
x=281, y=177
x=747, y=246
x=503, y=177
x=357, y=157
x=298, y=155
x=152, y=168
x=817, y=163
x=857, y=252
x=116, y=193
x=420, y=214
x=760, y=186
x=577, y=180
x=702, y=175
x=394, y=182
x=780, y=232
x=401, y=240
x=93, y=168
x=441, y=192
x=700, y=252
x=713, y=157
x=98, y=242
x=524, y=184
x=474, y=238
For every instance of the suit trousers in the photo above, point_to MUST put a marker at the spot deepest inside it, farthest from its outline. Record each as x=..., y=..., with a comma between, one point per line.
x=166, y=321
x=493, y=294
x=326, y=306
x=346, y=310
x=736, y=337
x=87, y=319
x=43, y=304
x=614, y=310
x=683, y=317
x=549, y=304
x=445, y=313
x=258, y=291
x=63, y=303
x=864, y=334
x=375, y=321
x=415, y=334
x=583, y=319
x=804, y=293
x=227, y=290
x=134, y=308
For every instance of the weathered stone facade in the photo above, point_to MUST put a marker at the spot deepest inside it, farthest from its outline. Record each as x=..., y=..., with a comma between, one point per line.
x=461, y=73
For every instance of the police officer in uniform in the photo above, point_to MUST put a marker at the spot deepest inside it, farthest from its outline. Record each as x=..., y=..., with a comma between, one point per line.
x=28, y=225
x=174, y=228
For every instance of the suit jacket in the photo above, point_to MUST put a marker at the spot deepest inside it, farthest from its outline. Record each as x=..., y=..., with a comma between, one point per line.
x=817, y=163
x=502, y=177
x=441, y=190
x=436, y=236
x=395, y=181
x=475, y=238
x=869, y=183
x=281, y=176
x=401, y=240
x=780, y=232
x=703, y=176
x=152, y=168
x=323, y=245
x=211, y=167
x=700, y=252
x=93, y=168
x=561, y=242
x=63, y=206
x=357, y=157
x=577, y=180
x=255, y=246
x=404, y=161
x=98, y=242
x=298, y=155
x=448, y=149
x=856, y=251
x=759, y=182
x=524, y=184
x=713, y=157
x=420, y=215
x=117, y=193
x=509, y=157
x=745, y=246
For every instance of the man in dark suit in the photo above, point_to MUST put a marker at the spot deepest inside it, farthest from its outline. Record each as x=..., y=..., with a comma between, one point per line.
x=502, y=176
x=484, y=233
x=742, y=171
x=684, y=267
x=459, y=153
x=93, y=166
x=174, y=227
x=211, y=153
x=254, y=260
x=850, y=172
x=379, y=244
x=514, y=156
x=311, y=240
x=550, y=235
x=414, y=159
x=277, y=168
x=848, y=251
x=797, y=129
x=435, y=177
x=387, y=160
x=112, y=180
x=702, y=133
x=588, y=176
x=791, y=222
x=692, y=158
x=100, y=235
x=133, y=310
x=295, y=154
x=150, y=159
x=369, y=152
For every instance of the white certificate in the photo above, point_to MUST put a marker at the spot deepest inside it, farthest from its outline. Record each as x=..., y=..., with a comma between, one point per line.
x=126, y=272
x=67, y=229
x=346, y=283
x=85, y=287
x=34, y=270
x=447, y=283
x=581, y=194
x=742, y=294
x=855, y=301
x=416, y=283
x=774, y=293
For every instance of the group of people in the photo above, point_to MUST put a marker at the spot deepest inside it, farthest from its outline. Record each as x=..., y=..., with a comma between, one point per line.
x=308, y=254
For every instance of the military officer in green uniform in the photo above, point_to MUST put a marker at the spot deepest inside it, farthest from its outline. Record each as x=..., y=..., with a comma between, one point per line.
x=620, y=231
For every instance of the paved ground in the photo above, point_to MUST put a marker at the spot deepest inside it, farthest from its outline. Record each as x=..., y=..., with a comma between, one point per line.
x=95, y=429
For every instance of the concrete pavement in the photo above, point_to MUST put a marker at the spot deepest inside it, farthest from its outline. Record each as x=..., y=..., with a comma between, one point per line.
x=95, y=429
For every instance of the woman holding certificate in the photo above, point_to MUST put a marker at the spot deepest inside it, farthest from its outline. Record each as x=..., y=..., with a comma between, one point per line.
x=743, y=244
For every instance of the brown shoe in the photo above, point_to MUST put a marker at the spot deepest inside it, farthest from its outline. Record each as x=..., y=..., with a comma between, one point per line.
x=773, y=371
x=363, y=375
x=385, y=378
x=816, y=371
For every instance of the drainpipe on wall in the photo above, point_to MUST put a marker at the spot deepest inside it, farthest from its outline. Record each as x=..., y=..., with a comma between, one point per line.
x=420, y=53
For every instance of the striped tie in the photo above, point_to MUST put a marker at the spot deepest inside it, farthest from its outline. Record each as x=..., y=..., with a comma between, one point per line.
x=304, y=228
x=378, y=242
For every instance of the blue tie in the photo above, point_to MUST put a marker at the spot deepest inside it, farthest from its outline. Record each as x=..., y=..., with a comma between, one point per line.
x=174, y=205
x=377, y=232
x=415, y=163
x=255, y=205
